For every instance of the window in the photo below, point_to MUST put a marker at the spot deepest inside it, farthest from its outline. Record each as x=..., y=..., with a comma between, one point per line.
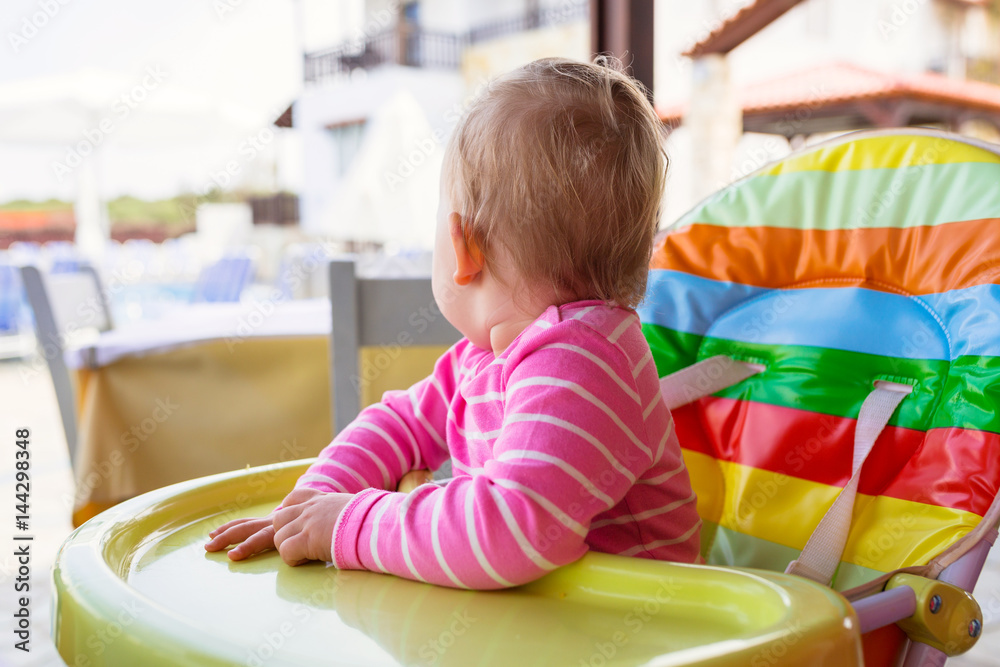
x=411, y=11
x=347, y=139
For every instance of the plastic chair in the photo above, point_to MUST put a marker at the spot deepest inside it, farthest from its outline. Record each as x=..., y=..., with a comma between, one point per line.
x=66, y=306
x=10, y=299
x=398, y=314
x=225, y=280
x=62, y=257
x=16, y=338
x=301, y=272
x=858, y=266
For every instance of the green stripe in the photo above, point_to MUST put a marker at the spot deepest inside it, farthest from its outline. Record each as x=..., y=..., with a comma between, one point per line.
x=903, y=197
x=672, y=350
x=735, y=549
x=850, y=575
x=708, y=530
x=835, y=382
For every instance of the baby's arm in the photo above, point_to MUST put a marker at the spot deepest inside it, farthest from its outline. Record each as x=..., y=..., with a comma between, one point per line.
x=404, y=432
x=377, y=450
x=573, y=443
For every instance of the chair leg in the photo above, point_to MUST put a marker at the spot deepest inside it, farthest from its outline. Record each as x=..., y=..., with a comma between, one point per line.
x=962, y=573
x=922, y=655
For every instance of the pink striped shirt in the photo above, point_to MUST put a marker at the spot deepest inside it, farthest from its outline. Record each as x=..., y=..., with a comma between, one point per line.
x=560, y=444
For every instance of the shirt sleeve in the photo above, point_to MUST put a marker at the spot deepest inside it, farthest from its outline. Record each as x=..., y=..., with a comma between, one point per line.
x=404, y=432
x=571, y=446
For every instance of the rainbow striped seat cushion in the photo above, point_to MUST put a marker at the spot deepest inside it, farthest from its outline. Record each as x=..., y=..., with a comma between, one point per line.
x=874, y=256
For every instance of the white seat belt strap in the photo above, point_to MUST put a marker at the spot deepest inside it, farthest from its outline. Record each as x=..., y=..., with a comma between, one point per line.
x=821, y=555
x=704, y=378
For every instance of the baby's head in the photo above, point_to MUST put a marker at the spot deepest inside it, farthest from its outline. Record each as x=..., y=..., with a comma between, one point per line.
x=557, y=171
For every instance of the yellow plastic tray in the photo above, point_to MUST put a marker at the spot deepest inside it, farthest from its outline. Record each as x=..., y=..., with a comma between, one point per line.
x=134, y=586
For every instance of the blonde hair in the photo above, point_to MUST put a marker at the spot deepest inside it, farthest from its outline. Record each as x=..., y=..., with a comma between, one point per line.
x=558, y=168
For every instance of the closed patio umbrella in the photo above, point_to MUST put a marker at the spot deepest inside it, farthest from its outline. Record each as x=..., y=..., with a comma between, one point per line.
x=92, y=112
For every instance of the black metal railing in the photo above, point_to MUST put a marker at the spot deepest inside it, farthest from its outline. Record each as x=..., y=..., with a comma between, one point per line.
x=413, y=46
x=566, y=12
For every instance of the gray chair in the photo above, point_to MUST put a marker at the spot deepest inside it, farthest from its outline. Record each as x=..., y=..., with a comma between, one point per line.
x=67, y=307
x=374, y=312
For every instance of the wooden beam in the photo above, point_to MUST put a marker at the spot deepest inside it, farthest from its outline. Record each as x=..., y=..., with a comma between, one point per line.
x=741, y=26
x=624, y=29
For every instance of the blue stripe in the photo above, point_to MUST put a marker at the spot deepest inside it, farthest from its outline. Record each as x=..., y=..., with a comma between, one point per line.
x=842, y=318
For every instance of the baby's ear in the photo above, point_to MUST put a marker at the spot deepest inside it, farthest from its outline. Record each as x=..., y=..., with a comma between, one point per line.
x=468, y=256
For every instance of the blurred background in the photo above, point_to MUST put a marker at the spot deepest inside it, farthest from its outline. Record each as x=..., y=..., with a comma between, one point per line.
x=156, y=138
x=201, y=152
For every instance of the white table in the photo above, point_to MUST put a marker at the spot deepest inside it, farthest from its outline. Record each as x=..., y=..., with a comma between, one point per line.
x=207, y=388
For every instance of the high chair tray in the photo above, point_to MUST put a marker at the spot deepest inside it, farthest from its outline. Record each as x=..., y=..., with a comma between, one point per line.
x=134, y=586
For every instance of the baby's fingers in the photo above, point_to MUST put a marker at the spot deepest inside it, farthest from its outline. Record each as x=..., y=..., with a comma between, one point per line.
x=230, y=524
x=235, y=532
x=299, y=496
x=260, y=541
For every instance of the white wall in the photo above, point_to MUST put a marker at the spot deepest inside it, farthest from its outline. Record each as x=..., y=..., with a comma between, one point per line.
x=361, y=205
x=435, y=98
x=889, y=35
x=885, y=35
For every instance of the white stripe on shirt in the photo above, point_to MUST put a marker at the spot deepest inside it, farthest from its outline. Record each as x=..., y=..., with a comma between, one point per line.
x=642, y=364
x=522, y=417
x=549, y=506
x=545, y=381
x=477, y=549
x=436, y=543
x=513, y=454
x=656, y=544
x=621, y=328
x=642, y=516
x=526, y=547
x=600, y=364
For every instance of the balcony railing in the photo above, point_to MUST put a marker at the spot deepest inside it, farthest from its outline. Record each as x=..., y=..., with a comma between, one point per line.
x=413, y=46
x=278, y=209
x=566, y=12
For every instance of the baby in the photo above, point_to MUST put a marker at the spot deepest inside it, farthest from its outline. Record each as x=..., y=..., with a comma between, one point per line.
x=550, y=407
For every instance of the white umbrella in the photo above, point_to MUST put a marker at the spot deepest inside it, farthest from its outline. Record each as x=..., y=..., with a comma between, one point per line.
x=92, y=110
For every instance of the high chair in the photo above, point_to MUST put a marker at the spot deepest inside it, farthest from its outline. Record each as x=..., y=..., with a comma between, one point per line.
x=826, y=332
x=792, y=312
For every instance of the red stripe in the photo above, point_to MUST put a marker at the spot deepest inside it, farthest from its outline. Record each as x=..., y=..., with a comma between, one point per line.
x=947, y=467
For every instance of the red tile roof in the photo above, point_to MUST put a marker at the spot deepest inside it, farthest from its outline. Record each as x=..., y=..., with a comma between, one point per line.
x=11, y=221
x=744, y=24
x=833, y=84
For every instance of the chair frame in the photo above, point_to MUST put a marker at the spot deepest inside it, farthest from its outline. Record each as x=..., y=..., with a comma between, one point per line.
x=50, y=339
x=385, y=319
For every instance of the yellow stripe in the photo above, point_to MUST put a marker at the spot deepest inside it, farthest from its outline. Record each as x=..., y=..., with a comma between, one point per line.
x=886, y=152
x=887, y=532
x=708, y=483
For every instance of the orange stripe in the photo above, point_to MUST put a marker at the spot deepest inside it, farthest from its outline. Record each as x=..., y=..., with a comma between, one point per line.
x=918, y=260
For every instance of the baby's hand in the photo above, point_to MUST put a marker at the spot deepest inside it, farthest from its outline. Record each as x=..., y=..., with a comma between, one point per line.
x=304, y=531
x=252, y=536
x=413, y=479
